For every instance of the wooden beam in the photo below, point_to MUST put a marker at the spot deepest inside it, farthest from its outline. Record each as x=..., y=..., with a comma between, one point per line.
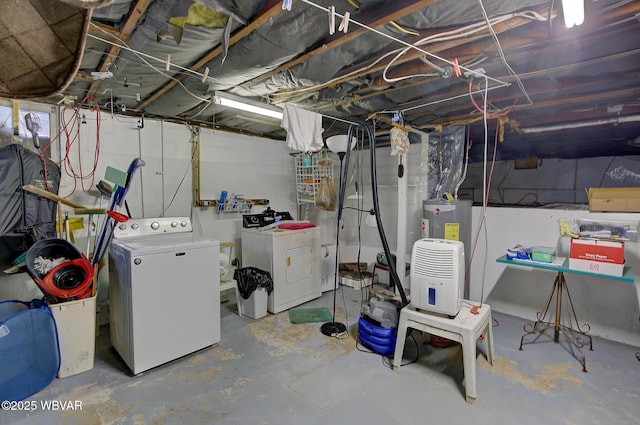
x=374, y=18
x=513, y=42
x=272, y=8
x=132, y=20
x=369, y=67
x=51, y=196
x=99, y=29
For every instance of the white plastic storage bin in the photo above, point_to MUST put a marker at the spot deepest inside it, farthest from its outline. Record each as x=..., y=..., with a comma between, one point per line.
x=255, y=306
x=76, y=323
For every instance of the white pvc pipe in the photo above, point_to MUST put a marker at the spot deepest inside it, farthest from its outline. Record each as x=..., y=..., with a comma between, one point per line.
x=613, y=120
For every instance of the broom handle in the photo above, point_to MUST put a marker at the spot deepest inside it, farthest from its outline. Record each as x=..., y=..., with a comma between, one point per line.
x=52, y=196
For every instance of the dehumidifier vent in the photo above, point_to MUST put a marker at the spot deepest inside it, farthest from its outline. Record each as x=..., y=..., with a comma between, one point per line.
x=436, y=263
x=437, y=275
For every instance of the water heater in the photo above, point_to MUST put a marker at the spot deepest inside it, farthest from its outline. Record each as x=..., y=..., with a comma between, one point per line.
x=451, y=220
x=437, y=275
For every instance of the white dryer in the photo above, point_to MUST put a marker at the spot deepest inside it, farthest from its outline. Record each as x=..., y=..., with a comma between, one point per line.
x=164, y=291
x=292, y=257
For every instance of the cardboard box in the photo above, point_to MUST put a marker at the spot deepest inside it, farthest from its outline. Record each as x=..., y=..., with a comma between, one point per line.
x=617, y=199
x=352, y=267
x=596, y=267
x=353, y=280
x=596, y=250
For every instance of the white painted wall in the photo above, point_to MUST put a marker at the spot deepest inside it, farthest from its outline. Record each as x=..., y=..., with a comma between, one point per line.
x=610, y=307
x=263, y=168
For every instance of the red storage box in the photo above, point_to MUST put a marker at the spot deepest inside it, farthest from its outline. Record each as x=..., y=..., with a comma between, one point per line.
x=596, y=250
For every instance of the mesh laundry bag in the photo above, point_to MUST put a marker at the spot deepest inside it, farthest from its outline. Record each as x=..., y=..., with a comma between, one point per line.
x=29, y=351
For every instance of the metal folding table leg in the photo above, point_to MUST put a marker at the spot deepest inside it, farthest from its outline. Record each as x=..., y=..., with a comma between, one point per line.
x=575, y=335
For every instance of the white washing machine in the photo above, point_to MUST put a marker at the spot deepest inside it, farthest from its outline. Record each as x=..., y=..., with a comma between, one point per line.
x=164, y=291
x=292, y=257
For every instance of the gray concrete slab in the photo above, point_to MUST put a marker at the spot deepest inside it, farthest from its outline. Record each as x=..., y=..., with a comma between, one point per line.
x=269, y=371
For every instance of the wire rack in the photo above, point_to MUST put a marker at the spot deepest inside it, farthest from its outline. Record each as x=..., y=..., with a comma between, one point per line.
x=310, y=169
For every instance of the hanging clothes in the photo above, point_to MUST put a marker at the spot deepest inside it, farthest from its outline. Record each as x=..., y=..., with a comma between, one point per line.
x=304, y=129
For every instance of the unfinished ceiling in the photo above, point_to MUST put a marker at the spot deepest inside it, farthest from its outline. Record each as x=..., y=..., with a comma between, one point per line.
x=551, y=91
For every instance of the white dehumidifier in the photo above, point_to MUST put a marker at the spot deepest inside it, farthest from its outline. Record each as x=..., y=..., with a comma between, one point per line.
x=437, y=275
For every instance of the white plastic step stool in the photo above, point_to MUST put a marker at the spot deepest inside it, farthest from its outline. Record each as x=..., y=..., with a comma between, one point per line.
x=465, y=328
x=232, y=283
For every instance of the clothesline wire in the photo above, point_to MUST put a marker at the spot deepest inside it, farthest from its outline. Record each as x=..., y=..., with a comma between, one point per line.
x=474, y=72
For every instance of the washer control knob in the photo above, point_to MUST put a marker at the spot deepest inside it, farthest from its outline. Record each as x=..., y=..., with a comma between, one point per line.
x=155, y=225
x=122, y=226
x=137, y=261
x=183, y=223
x=174, y=224
x=134, y=226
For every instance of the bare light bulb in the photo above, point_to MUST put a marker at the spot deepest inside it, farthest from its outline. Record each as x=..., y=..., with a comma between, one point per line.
x=371, y=219
x=573, y=11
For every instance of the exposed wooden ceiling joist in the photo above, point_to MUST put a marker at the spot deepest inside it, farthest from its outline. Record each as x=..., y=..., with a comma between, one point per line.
x=123, y=34
x=271, y=9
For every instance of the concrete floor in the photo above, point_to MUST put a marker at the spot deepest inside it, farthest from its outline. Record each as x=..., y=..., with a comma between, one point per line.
x=269, y=371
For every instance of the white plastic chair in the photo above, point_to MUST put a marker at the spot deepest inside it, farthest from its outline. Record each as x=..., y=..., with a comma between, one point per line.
x=465, y=328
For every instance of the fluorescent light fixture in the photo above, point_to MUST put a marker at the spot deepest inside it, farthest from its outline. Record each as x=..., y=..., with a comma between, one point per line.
x=237, y=102
x=573, y=12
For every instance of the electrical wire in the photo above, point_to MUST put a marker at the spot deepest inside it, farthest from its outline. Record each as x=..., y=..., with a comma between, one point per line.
x=330, y=328
x=186, y=171
x=525, y=195
x=142, y=56
x=466, y=165
x=493, y=114
x=364, y=289
x=445, y=36
x=486, y=185
x=79, y=174
x=504, y=178
x=409, y=45
x=607, y=169
x=70, y=129
x=502, y=56
x=376, y=207
x=385, y=359
x=402, y=29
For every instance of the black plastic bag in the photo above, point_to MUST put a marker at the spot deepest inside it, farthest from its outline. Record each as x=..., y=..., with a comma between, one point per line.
x=251, y=278
x=24, y=217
